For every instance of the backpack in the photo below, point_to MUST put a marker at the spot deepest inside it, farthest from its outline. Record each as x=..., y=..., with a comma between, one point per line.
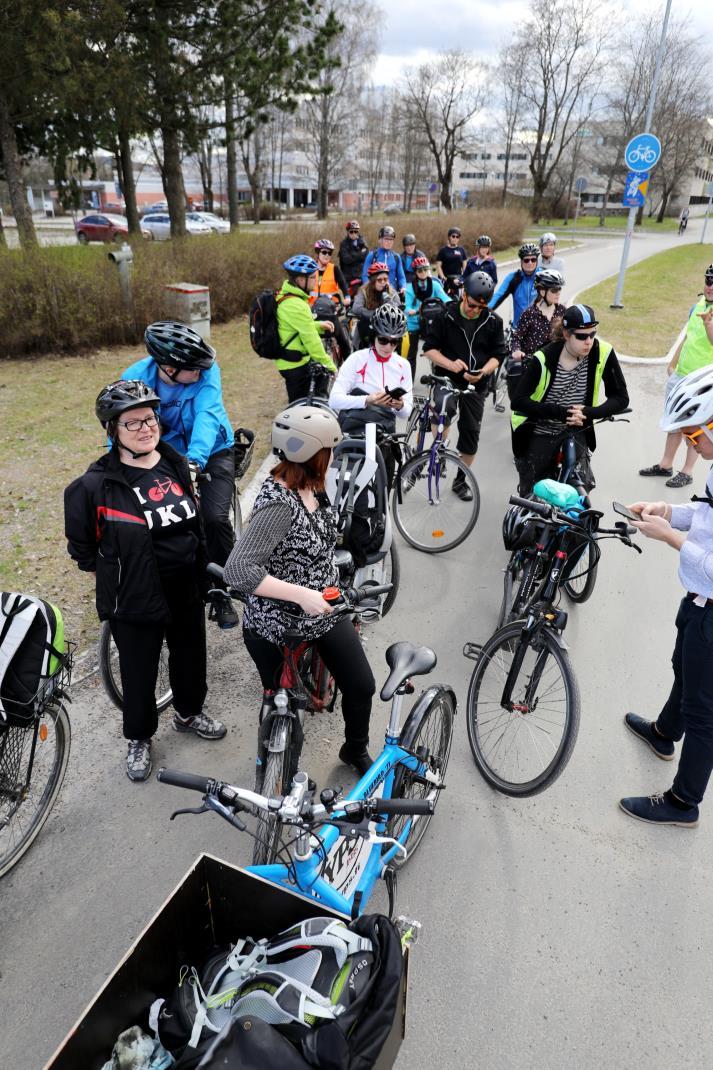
x=31, y=653
x=432, y=308
x=264, y=333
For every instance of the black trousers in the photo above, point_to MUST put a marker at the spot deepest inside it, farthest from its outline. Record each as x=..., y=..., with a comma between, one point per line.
x=414, y=337
x=297, y=381
x=688, y=712
x=344, y=656
x=139, y=645
x=540, y=459
x=216, y=495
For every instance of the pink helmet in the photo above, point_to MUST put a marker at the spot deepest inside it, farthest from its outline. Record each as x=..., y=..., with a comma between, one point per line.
x=324, y=244
x=378, y=268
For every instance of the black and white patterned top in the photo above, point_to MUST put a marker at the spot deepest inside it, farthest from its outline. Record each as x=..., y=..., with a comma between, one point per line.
x=285, y=540
x=568, y=388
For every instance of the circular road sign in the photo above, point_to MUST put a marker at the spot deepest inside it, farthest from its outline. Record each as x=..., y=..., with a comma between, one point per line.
x=643, y=152
x=580, y=185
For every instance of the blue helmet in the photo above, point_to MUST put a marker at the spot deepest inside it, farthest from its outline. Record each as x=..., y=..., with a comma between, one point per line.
x=301, y=265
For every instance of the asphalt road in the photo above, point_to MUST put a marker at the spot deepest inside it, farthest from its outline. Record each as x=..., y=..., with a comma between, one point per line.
x=556, y=932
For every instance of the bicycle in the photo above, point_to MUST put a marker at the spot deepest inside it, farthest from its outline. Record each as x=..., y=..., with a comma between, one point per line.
x=498, y=382
x=34, y=752
x=243, y=446
x=523, y=698
x=342, y=845
x=427, y=512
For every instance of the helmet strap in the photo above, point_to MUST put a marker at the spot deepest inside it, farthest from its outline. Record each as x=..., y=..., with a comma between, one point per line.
x=168, y=375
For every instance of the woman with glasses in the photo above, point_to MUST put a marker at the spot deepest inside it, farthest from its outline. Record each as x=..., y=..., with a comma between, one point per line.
x=330, y=280
x=132, y=521
x=377, y=292
x=558, y=390
x=519, y=284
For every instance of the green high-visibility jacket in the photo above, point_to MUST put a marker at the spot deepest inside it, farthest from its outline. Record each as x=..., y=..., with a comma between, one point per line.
x=297, y=329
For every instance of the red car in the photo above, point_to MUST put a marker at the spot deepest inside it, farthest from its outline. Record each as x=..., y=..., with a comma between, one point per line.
x=99, y=226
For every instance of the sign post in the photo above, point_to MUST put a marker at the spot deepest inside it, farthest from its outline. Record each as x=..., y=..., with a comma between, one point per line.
x=709, y=191
x=580, y=186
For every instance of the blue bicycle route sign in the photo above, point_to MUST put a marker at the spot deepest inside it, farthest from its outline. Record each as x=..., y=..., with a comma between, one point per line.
x=643, y=152
x=635, y=189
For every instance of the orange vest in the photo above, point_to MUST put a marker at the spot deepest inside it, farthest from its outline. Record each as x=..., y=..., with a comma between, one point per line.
x=326, y=284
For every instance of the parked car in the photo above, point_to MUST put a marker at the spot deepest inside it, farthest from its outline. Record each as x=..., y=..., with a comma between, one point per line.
x=393, y=209
x=100, y=226
x=160, y=206
x=159, y=225
x=216, y=224
x=115, y=207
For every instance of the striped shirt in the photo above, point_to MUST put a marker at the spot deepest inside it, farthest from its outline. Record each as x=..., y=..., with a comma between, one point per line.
x=568, y=388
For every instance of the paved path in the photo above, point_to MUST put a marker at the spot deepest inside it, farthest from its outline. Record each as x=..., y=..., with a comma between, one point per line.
x=556, y=932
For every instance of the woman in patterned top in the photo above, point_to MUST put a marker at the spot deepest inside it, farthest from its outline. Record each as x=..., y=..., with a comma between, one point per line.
x=534, y=328
x=287, y=554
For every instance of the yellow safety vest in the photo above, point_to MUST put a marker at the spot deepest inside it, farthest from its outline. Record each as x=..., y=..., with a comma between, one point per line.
x=518, y=418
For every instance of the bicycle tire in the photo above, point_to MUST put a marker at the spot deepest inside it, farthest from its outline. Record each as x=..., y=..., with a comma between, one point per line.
x=496, y=651
x=111, y=678
x=413, y=486
x=274, y=782
x=579, y=584
x=392, y=575
x=19, y=740
x=429, y=724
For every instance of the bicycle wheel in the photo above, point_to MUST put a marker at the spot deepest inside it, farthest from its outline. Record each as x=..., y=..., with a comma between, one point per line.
x=414, y=422
x=521, y=751
x=275, y=781
x=25, y=806
x=236, y=515
x=583, y=576
x=429, y=731
x=392, y=575
x=430, y=515
x=111, y=677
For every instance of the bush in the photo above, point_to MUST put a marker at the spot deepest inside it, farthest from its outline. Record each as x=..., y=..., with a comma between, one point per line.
x=68, y=298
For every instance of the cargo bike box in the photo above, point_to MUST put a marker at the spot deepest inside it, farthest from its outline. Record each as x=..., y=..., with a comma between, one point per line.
x=214, y=903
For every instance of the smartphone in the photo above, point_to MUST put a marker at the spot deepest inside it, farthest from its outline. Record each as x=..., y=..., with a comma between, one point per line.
x=623, y=511
x=396, y=393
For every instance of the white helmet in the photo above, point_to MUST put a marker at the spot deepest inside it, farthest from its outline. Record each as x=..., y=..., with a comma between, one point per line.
x=690, y=403
x=301, y=432
x=548, y=236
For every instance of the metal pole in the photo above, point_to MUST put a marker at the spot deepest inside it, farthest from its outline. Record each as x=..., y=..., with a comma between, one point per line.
x=576, y=212
x=705, y=218
x=647, y=126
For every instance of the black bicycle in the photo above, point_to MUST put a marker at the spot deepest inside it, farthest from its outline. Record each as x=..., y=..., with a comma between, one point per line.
x=523, y=698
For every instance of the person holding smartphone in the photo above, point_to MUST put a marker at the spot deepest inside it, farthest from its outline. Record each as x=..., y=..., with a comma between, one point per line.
x=687, y=713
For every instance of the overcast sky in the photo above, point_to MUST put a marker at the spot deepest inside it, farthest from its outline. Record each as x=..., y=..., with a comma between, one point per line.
x=413, y=30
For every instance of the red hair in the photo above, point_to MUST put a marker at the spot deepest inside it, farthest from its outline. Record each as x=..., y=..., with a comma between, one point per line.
x=299, y=476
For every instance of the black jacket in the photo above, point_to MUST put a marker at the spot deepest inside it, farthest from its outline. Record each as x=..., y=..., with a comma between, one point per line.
x=107, y=533
x=617, y=396
x=449, y=334
x=352, y=257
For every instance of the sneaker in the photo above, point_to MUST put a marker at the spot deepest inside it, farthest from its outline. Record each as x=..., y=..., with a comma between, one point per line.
x=655, y=470
x=356, y=755
x=461, y=489
x=138, y=759
x=659, y=810
x=201, y=725
x=662, y=748
x=679, y=480
x=224, y=612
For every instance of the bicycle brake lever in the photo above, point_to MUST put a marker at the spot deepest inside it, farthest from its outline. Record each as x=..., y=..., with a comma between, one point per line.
x=191, y=810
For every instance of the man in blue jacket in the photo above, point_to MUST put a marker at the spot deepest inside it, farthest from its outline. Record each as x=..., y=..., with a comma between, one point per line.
x=384, y=254
x=181, y=369
x=519, y=284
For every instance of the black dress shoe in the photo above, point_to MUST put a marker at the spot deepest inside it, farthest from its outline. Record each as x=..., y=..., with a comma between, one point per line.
x=356, y=755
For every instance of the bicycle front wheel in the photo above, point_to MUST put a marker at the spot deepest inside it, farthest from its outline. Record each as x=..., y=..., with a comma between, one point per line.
x=521, y=747
x=428, y=731
x=429, y=513
x=111, y=677
x=275, y=781
x=392, y=575
x=583, y=575
x=27, y=796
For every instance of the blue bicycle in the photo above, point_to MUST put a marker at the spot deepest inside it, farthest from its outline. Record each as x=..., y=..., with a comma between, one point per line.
x=334, y=850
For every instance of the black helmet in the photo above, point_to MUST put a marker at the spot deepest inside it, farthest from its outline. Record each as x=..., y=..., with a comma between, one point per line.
x=408, y=239
x=479, y=284
x=519, y=531
x=389, y=321
x=175, y=345
x=549, y=279
x=123, y=395
x=708, y=275
x=484, y=239
x=577, y=316
x=454, y=232
x=387, y=232
x=528, y=248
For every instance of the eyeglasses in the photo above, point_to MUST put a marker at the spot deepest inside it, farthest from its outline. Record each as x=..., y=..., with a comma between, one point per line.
x=387, y=238
x=136, y=425
x=554, y=290
x=695, y=435
x=582, y=337
x=529, y=259
x=476, y=302
x=383, y=341
x=423, y=271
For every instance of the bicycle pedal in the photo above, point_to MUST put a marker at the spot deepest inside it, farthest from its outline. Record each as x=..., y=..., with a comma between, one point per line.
x=500, y=408
x=472, y=651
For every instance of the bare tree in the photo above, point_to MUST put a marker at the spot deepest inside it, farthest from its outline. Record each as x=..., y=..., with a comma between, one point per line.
x=446, y=95
x=510, y=67
x=251, y=154
x=411, y=149
x=373, y=138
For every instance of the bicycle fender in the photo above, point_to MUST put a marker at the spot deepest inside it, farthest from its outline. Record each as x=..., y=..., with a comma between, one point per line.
x=416, y=712
x=558, y=638
x=278, y=734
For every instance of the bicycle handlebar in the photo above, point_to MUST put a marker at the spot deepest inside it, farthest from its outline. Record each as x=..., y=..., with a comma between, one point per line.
x=443, y=380
x=553, y=515
x=190, y=781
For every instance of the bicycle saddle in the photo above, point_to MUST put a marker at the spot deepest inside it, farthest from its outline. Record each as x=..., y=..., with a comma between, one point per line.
x=404, y=660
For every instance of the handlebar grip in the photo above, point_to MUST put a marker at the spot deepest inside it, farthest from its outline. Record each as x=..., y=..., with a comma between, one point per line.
x=215, y=570
x=372, y=590
x=191, y=781
x=416, y=807
x=527, y=503
x=425, y=380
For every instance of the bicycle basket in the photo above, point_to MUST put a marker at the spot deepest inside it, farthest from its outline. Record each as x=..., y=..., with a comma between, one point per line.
x=243, y=447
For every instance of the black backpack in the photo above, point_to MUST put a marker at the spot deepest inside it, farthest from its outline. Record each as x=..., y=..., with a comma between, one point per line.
x=264, y=334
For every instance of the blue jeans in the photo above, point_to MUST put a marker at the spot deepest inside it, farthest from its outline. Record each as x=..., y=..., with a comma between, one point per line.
x=688, y=712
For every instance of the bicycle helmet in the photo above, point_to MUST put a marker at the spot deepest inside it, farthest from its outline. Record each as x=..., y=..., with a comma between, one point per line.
x=352, y=225
x=484, y=239
x=175, y=345
x=454, y=232
x=301, y=432
x=547, y=237
x=387, y=232
x=708, y=275
x=300, y=265
x=528, y=248
x=324, y=244
x=548, y=279
x=690, y=402
x=389, y=321
x=419, y=262
x=121, y=396
x=577, y=316
x=408, y=239
x=479, y=284
x=377, y=267
x=518, y=529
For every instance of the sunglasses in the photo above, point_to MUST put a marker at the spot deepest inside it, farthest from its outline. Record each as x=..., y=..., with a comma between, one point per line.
x=324, y=252
x=581, y=336
x=383, y=341
x=476, y=302
x=695, y=435
x=529, y=259
x=353, y=231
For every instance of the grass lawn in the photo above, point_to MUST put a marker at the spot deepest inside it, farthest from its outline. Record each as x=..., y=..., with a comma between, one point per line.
x=655, y=307
x=614, y=222
x=48, y=436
